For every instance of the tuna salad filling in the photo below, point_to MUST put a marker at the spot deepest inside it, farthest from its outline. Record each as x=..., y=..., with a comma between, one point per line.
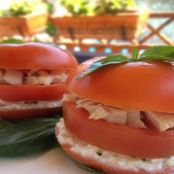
x=36, y=77
x=133, y=118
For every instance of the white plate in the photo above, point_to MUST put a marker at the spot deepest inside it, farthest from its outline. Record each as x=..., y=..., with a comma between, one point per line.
x=52, y=162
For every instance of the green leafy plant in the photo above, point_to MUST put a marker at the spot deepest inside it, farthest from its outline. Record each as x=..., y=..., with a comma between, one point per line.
x=113, y=6
x=76, y=7
x=24, y=7
x=156, y=53
x=98, y=7
x=49, y=7
x=1, y=13
x=51, y=29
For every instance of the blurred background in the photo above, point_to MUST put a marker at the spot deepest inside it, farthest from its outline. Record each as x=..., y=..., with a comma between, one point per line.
x=88, y=28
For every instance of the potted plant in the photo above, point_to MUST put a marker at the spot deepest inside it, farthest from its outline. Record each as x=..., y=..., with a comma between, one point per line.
x=24, y=17
x=100, y=19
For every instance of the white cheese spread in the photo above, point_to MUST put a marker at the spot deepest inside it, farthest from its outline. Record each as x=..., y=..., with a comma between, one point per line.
x=29, y=105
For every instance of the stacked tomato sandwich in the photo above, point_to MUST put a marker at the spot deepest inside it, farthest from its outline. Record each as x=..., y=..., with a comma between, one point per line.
x=32, y=83
x=119, y=115
x=32, y=79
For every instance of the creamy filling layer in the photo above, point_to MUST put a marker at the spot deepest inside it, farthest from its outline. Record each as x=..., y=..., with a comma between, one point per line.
x=110, y=158
x=30, y=105
x=133, y=118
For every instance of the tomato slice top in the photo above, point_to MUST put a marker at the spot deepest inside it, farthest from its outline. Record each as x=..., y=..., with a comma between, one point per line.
x=33, y=56
x=118, y=138
x=145, y=86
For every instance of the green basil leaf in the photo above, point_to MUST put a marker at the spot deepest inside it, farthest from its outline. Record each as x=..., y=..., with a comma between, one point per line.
x=29, y=148
x=165, y=53
x=27, y=130
x=155, y=58
x=135, y=53
x=156, y=53
x=109, y=60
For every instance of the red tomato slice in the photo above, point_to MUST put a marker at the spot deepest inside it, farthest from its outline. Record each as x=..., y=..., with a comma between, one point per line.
x=118, y=138
x=31, y=92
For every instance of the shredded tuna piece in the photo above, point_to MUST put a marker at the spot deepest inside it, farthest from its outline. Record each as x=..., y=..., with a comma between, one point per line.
x=13, y=77
x=34, y=77
x=132, y=118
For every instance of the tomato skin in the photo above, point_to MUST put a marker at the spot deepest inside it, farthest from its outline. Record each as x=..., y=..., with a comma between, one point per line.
x=107, y=169
x=144, y=86
x=118, y=138
x=31, y=93
x=35, y=56
x=19, y=114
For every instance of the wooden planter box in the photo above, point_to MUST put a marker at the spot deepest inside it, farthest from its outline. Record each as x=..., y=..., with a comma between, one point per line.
x=23, y=25
x=124, y=26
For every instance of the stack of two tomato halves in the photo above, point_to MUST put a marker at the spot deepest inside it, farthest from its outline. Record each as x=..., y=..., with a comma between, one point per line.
x=118, y=117
x=32, y=83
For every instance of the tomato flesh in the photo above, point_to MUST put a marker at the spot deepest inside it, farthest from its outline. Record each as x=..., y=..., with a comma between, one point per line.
x=118, y=138
x=31, y=92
